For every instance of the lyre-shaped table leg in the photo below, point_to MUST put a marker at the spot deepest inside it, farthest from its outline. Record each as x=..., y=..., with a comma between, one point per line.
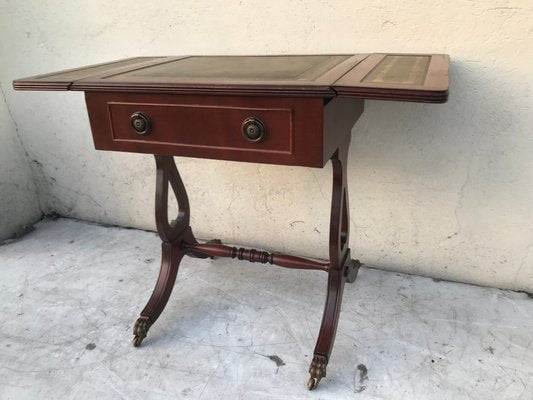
x=173, y=234
x=177, y=234
x=342, y=268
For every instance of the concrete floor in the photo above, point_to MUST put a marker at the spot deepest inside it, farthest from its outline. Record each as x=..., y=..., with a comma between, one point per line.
x=70, y=292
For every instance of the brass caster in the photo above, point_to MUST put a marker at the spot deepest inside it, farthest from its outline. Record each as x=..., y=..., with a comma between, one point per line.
x=137, y=340
x=140, y=330
x=351, y=270
x=311, y=383
x=317, y=370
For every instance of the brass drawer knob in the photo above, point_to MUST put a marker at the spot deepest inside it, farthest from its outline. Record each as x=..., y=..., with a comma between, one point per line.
x=253, y=129
x=140, y=123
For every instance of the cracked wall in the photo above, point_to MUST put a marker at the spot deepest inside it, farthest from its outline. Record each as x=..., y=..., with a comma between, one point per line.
x=19, y=204
x=438, y=190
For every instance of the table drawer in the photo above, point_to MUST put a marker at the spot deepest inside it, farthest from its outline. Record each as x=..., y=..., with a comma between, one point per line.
x=268, y=130
x=204, y=126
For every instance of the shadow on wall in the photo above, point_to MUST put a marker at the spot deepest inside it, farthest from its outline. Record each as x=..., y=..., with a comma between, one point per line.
x=457, y=171
x=477, y=118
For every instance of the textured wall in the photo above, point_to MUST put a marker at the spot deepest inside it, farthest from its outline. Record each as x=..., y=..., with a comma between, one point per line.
x=19, y=204
x=439, y=190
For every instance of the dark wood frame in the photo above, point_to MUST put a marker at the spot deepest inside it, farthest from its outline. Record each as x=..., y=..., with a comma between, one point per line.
x=305, y=120
x=178, y=241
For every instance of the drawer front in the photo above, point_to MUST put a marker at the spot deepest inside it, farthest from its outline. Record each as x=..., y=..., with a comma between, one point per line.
x=203, y=126
x=217, y=127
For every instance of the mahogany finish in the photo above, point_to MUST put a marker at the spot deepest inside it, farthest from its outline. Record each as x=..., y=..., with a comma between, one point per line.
x=210, y=126
x=253, y=255
x=287, y=110
x=173, y=234
x=340, y=262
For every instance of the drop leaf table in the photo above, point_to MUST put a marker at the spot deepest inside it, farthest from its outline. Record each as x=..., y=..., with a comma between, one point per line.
x=286, y=110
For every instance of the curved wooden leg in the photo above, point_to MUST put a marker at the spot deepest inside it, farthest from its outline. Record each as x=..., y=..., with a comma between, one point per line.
x=170, y=259
x=173, y=234
x=326, y=336
x=342, y=268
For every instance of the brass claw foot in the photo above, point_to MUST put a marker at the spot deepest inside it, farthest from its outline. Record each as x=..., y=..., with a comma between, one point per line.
x=317, y=370
x=351, y=270
x=140, y=330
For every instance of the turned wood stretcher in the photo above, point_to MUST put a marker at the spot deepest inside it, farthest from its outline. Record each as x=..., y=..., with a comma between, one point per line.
x=286, y=110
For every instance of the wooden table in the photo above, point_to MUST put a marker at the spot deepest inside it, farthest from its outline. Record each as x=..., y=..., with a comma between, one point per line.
x=287, y=110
